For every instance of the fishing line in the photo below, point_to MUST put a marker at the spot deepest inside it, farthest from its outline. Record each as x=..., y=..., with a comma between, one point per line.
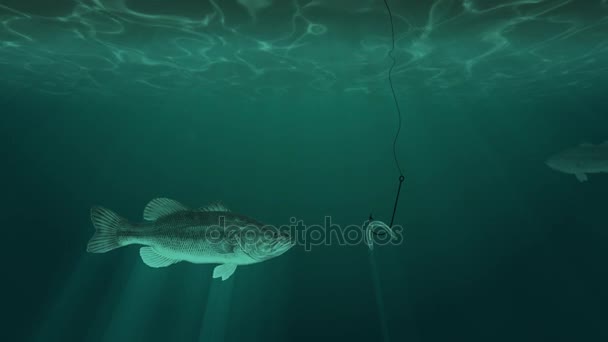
x=390, y=81
x=372, y=225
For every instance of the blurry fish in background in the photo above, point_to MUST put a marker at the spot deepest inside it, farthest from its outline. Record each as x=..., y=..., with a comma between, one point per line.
x=173, y=232
x=581, y=160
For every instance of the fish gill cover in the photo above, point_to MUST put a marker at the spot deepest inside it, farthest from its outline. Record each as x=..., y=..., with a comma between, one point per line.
x=255, y=48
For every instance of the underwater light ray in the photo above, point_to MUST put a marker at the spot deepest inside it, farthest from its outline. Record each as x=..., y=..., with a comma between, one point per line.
x=215, y=320
x=130, y=316
x=64, y=304
x=379, y=299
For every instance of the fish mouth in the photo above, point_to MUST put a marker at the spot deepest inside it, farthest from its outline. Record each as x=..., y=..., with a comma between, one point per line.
x=264, y=249
x=281, y=246
x=551, y=163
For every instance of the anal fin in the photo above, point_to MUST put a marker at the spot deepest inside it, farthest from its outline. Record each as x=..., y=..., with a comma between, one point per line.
x=153, y=259
x=224, y=271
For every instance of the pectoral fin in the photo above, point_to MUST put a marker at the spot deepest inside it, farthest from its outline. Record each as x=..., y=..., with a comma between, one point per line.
x=224, y=271
x=153, y=259
x=581, y=177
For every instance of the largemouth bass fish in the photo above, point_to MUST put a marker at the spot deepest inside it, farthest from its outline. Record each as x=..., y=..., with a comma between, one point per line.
x=172, y=232
x=581, y=160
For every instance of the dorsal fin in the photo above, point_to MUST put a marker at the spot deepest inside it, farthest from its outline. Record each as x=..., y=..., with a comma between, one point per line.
x=217, y=206
x=160, y=207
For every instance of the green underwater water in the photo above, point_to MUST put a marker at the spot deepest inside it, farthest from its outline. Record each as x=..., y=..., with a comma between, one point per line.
x=281, y=110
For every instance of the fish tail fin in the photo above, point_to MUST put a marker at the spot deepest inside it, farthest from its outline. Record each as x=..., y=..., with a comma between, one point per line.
x=107, y=226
